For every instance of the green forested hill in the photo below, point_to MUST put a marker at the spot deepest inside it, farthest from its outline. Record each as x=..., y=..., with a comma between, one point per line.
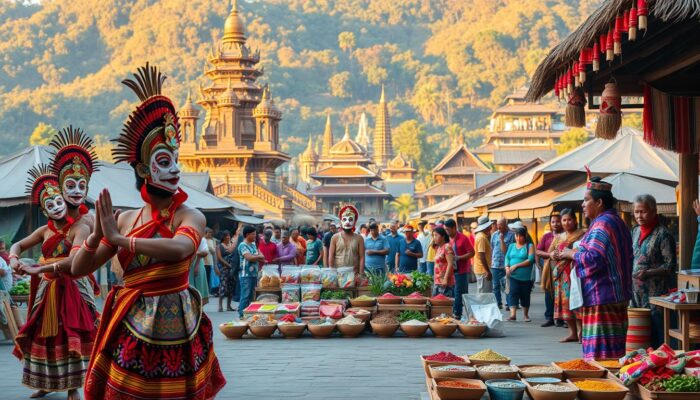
x=443, y=61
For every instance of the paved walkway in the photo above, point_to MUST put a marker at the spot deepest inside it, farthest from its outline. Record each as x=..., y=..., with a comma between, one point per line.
x=363, y=368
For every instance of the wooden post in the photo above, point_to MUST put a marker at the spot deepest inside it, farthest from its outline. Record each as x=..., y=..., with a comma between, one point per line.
x=687, y=221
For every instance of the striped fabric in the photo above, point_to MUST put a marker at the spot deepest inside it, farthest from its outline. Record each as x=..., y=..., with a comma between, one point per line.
x=604, y=332
x=671, y=122
x=604, y=261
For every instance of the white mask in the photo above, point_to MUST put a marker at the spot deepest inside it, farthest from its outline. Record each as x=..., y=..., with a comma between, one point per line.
x=165, y=173
x=348, y=220
x=55, y=207
x=75, y=190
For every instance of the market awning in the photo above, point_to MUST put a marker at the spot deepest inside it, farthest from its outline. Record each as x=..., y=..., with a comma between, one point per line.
x=247, y=219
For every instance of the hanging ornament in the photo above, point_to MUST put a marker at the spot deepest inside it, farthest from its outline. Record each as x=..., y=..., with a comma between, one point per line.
x=610, y=45
x=575, y=115
x=569, y=82
x=577, y=81
x=642, y=12
x=617, y=37
x=585, y=58
x=610, y=118
x=632, y=31
x=596, y=57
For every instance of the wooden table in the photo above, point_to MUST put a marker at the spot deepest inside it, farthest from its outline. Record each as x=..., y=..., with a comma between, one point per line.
x=684, y=313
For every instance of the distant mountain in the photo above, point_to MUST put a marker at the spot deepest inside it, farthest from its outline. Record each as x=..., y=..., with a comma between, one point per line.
x=442, y=61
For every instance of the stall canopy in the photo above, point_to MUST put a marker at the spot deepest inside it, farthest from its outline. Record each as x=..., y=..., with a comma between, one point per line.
x=119, y=179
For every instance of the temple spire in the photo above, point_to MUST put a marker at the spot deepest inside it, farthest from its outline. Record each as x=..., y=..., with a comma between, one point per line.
x=381, y=99
x=382, y=151
x=327, y=136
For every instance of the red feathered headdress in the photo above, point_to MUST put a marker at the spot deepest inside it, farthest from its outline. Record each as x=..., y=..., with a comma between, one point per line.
x=349, y=209
x=153, y=124
x=42, y=184
x=74, y=155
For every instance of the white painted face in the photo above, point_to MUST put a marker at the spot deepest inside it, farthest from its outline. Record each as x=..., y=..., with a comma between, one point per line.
x=74, y=190
x=165, y=173
x=347, y=221
x=55, y=207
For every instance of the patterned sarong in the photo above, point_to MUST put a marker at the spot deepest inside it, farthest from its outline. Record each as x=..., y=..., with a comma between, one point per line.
x=604, y=331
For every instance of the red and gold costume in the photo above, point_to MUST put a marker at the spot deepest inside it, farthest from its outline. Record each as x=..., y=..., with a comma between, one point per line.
x=154, y=342
x=57, y=339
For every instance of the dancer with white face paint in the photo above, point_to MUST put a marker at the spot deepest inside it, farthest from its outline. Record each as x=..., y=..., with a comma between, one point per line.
x=56, y=341
x=347, y=247
x=155, y=246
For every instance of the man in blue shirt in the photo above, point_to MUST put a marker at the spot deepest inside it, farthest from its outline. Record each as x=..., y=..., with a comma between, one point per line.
x=394, y=240
x=409, y=252
x=250, y=258
x=500, y=241
x=376, y=249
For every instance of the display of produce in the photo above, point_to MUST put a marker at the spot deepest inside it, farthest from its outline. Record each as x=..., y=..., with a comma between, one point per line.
x=20, y=289
x=399, y=284
x=311, y=292
x=408, y=315
x=291, y=274
x=269, y=277
x=346, y=277
x=682, y=383
x=310, y=274
x=329, y=278
x=334, y=295
x=577, y=365
x=551, y=387
x=444, y=320
x=597, y=385
x=291, y=293
x=660, y=365
x=421, y=281
x=444, y=356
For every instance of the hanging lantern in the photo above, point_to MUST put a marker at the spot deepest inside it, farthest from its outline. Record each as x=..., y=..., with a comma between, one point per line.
x=632, y=31
x=617, y=37
x=610, y=118
x=596, y=57
x=642, y=12
x=575, y=115
x=610, y=45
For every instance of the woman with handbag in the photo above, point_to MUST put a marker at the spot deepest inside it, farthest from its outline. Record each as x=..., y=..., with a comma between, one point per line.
x=520, y=257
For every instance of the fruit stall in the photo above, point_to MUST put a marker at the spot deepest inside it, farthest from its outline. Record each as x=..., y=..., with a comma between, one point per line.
x=661, y=374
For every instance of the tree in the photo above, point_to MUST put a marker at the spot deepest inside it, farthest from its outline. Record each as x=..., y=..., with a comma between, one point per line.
x=404, y=205
x=409, y=138
x=475, y=138
x=346, y=41
x=42, y=134
x=339, y=84
x=572, y=139
x=633, y=120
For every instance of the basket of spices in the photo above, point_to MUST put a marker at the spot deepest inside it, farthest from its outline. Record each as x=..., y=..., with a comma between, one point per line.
x=578, y=368
x=599, y=389
x=472, y=329
x=388, y=298
x=350, y=326
x=290, y=327
x=459, y=389
x=363, y=301
x=359, y=313
x=385, y=324
x=262, y=327
x=443, y=326
x=537, y=371
x=505, y=389
x=488, y=356
x=497, y=371
x=442, y=358
x=321, y=328
x=234, y=329
x=414, y=328
x=552, y=391
x=415, y=298
x=441, y=300
x=453, y=371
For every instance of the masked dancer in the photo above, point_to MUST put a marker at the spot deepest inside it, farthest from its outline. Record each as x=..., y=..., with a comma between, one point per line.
x=154, y=341
x=57, y=339
x=347, y=247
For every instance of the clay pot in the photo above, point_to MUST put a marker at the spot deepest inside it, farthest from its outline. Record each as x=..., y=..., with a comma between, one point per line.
x=442, y=331
x=351, y=331
x=291, y=331
x=384, y=330
x=264, y=331
x=414, y=331
x=233, y=331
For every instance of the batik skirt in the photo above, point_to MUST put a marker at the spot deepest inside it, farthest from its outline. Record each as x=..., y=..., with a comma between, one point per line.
x=604, y=330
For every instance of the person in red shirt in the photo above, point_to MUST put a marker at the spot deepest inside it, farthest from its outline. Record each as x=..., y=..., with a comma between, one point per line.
x=464, y=251
x=267, y=247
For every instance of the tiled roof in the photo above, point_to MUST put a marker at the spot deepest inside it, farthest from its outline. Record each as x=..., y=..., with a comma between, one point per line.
x=351, y=171
x=347, y=190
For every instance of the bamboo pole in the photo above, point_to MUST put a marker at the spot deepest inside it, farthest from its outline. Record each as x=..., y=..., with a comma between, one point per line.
x=687, y=221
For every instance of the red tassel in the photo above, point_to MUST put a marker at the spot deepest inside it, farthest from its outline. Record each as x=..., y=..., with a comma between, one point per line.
x=596, y=57
x=577, y=80
x=617, y=35
x=632, y=32
x=610, y=45
x=626, y=21
x=642, y=12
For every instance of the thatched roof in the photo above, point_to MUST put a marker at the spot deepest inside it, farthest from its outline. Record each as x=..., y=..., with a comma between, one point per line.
x=670, y=11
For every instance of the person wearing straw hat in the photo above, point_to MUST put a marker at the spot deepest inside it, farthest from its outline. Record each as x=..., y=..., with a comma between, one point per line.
x=519, y=260
x=482, y=260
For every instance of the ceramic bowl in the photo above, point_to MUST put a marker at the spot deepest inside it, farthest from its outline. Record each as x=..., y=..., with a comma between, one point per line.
x=442, y=331
x=348, y=330
x=472, y=331
x=321, y=331
x=428, y=363
x=384, y=330
x=450, y=393
x=469, y=373
x=389, y=300
x=233, y=331
x=488, y=375
x=536, y=394
x=291, y=331
x=362, y=303
x=438, y=303
x=364, y=317
x=263, y=331
x=414, y=330
x=539, y=380
x=501, y=393
x=415, y=300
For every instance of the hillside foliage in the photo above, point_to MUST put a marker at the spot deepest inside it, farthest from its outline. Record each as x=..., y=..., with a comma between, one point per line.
x=445, y=63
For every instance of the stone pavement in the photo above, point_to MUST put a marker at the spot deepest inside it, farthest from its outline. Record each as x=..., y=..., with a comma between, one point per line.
x=367, y=367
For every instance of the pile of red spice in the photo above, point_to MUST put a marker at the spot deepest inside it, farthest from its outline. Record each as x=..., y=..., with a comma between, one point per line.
x=444, y=356
x=389, y=296
x=415, y=295
x=287, y=318
x=577, y=365
x=440, y=297
x=459, y=384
